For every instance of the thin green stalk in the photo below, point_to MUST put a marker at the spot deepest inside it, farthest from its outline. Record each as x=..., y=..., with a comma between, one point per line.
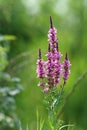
x=51, y=126
x=41, y=124
x=20, y=125
x=27, y=127
x=37, y=120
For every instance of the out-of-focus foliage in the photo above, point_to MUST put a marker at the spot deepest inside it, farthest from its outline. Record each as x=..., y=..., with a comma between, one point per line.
x=13, y=18
x=3, y=60
x=9, y=87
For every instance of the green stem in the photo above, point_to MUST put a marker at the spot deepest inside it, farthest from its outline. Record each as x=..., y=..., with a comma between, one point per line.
x=37, y=120
x=70, y=93
x=65, y=126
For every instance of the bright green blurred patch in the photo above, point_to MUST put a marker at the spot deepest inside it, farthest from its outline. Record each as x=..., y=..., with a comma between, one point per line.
x=7, y=38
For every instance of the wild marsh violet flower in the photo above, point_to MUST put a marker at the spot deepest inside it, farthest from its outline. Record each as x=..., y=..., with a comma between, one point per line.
x=50, y=71
x=66, y=68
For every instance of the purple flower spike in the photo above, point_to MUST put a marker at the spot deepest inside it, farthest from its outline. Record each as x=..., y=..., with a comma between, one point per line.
x=52, y=38
x=58, y=67
x=66, y=67
x=51, y=71
x=40, y=67
x=50, y=67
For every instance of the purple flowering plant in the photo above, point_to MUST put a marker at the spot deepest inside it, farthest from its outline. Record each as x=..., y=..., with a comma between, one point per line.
x=53, y=73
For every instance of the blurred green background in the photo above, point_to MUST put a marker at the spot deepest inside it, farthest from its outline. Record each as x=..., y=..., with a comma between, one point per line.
x=28, y=20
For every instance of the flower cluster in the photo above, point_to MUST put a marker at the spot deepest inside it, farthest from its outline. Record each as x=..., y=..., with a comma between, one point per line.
x=52, y=70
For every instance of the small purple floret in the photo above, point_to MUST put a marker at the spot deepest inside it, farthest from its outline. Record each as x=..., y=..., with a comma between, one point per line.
x=45, y=89
x=52, y=38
